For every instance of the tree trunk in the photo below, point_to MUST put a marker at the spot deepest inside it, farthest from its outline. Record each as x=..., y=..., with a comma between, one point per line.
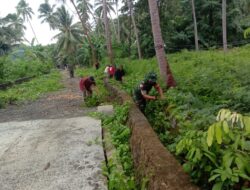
x=224, y=24
x=130, y=5
x=195, y=27
x=159, y=46
x=118, y=23
x=92, y=47
x=107, y=32
x=113, y=24
x=33, y=31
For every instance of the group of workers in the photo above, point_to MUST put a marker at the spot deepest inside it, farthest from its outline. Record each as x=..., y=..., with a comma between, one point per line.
x=141, y=92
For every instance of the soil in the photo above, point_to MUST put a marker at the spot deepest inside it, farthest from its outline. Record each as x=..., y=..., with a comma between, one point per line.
x=65, y=103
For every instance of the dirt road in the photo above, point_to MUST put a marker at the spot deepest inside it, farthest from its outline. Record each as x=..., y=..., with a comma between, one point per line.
x=50, y=144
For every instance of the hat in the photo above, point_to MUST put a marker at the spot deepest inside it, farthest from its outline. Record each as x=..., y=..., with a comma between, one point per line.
x=92, y=78
x=151, y=76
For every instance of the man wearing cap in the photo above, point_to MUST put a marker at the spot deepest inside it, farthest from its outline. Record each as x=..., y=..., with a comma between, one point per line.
x=141, y=92
x=86, y=84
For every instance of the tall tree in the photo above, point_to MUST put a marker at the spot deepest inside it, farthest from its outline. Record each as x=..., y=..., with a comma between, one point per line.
x=99, y=10
x=195, y=26
x=15, y=23
x=85, y=31
x=165, y=71
x=107, y=32
x=224, y=24
x=69, y=36
x=118, y=21
x=130, y=5
x=26, y=12
x=47, y=13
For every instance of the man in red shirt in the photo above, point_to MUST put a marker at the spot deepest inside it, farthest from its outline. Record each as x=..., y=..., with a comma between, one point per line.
x=111, y=71
x=86, y=84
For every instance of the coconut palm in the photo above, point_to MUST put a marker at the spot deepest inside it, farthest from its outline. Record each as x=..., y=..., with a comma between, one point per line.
x=224, y=24
x=15, y=23
x=85, y=31
x=107, y=31
x=69, y=36
x=130, y=5
x=195, y=26
x=118, y=21
x=26, y=12
x=86, y=9
x=159, y=45
x=47, y=13
x=11, y=29
x=99, y=10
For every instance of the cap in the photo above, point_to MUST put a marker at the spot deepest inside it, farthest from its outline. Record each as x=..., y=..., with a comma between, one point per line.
x=152, y=76
x=92, y=78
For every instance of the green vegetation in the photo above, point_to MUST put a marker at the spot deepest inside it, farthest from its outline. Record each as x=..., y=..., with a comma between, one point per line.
x=119, y=178
x=222, y=153
x=25, y=61
x=100, y=94
x=32, y=89
x=207, y=82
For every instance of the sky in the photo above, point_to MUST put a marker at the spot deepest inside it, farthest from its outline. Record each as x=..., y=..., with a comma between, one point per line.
x=43, y=32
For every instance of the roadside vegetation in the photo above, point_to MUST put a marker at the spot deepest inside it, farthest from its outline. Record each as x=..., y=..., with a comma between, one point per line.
x=25, y=62
x=203, y=120
x=119, y=177
x=31, y=90
x=185, y=119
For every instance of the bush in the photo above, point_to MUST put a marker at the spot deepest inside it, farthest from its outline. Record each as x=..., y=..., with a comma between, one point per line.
x=207, y=82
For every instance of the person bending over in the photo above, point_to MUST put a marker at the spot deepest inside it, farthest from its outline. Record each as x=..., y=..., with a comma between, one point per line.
x=141, y=92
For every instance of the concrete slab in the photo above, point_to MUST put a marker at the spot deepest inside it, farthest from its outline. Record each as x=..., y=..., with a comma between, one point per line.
x=106, y=109
x=54, y=154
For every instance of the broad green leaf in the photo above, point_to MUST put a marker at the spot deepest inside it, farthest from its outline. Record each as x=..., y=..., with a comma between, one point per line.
x=239, y=163
x=237, y=142
x=246, y=145
x=210, y=135
x=211, y=156
x=213, y=177
x=217, y=186
x=225, y=127
x=244, y=176
x=227, y=159
x=246, y=121
x=241, y=121
x=218, y=133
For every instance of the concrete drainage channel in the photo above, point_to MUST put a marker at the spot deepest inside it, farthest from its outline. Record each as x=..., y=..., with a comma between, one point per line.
x=151, y=159
x=108, y=148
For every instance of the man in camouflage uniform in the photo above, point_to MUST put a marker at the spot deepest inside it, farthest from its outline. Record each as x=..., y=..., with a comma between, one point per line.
x=141, y=92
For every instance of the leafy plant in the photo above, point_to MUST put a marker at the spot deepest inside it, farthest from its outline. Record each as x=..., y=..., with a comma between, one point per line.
x=221, y=152
x=116, y=125
x=207, y=82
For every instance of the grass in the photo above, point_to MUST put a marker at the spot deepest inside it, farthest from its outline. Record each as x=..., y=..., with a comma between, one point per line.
x=207, y=82
x=12, y=70
x=31, y=90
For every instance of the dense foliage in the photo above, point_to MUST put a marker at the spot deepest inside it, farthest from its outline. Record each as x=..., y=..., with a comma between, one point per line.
x=207, y=82
x=178, y=27
x=24, y=62
x=120, y=178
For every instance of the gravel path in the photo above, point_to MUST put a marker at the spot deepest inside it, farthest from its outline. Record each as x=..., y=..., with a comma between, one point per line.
x=50, y=145
x=65, y=103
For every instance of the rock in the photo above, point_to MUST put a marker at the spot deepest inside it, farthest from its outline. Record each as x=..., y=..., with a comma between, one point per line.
x=106, y=109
